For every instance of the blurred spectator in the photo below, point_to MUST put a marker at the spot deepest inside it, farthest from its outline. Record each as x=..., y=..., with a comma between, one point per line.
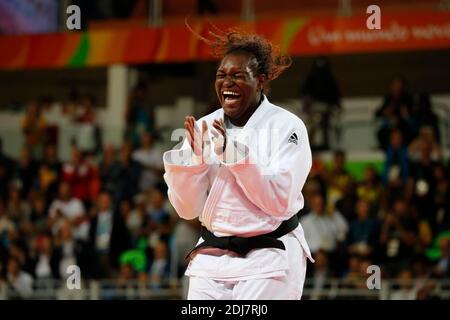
x=339, y=182
x=18, y=280
x=426, y=138
x=134, y=218
x=406, y=287
x=396, y=112
x=110, y=171
x=108, y=236
x=38, y=217
x=33, y=127
x=370, y=188
x=159, y=268
x=421, y=184
x=363, y=233
x=81, y=175
x=442, y=267
x=319, y=275
x=88, y=137
x=396, y=166
x=128, y=177
x=441, y=199
x=50, y=172
x=140, y=116
x=26, y=172
x=45, y=263
x=159, y=218
x=321, y=98
x=151, y=162
x=6, y=170
x=184, y=238
x=398, y=237
x=6, y=228
x=425, y=115
x=323, y=231
x=67, y=207
x=18, y=209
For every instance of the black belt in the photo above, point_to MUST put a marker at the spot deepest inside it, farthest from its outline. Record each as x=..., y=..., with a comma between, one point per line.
x=241, y=245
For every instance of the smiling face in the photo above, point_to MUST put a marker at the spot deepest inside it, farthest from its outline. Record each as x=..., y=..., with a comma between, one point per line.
x=238, y=88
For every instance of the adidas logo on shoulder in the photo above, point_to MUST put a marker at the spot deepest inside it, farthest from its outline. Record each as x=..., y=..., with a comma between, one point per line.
x=293, y=138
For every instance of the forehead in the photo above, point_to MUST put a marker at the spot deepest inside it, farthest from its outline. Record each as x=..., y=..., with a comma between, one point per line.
x=236, y=61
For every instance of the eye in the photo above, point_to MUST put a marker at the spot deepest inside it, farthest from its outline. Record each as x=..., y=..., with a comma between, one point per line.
x=239, y=75
x=220, y=75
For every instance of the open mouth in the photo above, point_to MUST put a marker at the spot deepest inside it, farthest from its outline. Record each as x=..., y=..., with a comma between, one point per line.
x=230, y=96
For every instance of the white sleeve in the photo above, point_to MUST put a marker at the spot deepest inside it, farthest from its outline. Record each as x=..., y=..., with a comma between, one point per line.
x=187, y=181
x=275, y=187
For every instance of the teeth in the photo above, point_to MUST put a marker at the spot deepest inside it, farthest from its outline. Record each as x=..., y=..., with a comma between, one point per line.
x=231, y=93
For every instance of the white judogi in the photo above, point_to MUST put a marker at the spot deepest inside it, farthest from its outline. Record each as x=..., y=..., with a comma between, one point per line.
x=249, y=195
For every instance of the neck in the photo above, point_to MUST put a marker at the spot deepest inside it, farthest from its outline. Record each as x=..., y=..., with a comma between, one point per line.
x=242, y=120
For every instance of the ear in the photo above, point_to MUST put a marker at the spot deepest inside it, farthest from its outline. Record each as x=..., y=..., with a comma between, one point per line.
x=262, y=79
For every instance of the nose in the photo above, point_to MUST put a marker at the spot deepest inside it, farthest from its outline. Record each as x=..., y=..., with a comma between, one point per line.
x=228, y=81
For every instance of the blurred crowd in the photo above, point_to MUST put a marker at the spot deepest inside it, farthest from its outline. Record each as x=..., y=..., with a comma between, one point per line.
x=396, y=217
x=106, y=209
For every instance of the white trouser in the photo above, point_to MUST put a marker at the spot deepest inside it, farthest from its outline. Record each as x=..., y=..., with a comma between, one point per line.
x=287, y=287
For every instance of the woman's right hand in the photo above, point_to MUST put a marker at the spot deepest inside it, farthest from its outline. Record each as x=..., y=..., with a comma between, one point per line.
x=196, y=139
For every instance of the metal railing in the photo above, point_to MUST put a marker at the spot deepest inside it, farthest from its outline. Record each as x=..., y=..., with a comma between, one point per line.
x=330, y=289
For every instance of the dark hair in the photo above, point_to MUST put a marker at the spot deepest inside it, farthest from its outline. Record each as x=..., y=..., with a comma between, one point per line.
x=269, y=60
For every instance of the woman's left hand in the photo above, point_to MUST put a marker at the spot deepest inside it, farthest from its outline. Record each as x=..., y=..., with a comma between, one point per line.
x=219, y=136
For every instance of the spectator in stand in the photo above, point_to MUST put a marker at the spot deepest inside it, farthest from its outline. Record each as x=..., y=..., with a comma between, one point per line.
x=140, y=116
x=19, y=281
x=159, y=217
x=129, y=174
x=442, y=267
x=321, y=98
x=18, y=209
x=38, y=222
x=426, y=137
x=323, y=231
x=6, y=170
x=50, y=172
x=88, y=132
x=441, y=199
x=135, y=218
x=425, y=115
x=34, y=129
x=45, y=262
x=406, y=290
x=6, y=228
x=370, y=188
x=108, y=236
x=151, y=162
x=69, y=251
x=396, y=165
x=80, y=175
x=320, y=273
x=421, y=185
x=398, y=237
x=338, y=179
x=159, y=267
x=67, y=207
x=396, y=113
x=364, y=231
x=110, y=171
x=26, y=172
